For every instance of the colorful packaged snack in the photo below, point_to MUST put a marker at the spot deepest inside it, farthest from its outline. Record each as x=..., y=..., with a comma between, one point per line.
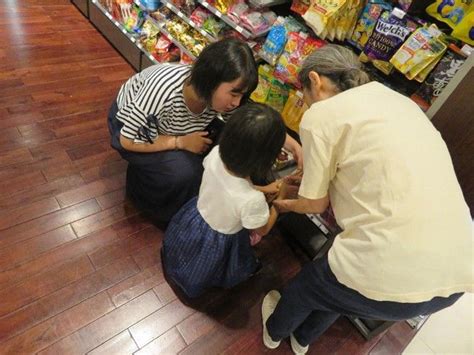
x=237, y=10
x=458, y=14
x=389, y=34
x=421, y=48
x=320, y=12
x=297, y=48
x=265, y=77
x=274, y=43
x=300, y=6
x=277, y=95
x=367, y=21
x=447, y=67
x=213, y=26
x=294, y=110
x=199, y=16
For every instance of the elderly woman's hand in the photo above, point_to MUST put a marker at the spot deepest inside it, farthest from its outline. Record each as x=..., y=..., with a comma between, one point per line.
x=293, y=182
x=295, y=148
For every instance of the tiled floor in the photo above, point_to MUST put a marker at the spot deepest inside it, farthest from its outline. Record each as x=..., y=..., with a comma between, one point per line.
x=450, y=331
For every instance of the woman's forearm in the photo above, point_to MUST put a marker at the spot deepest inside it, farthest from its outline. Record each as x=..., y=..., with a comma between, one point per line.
x=162, y=143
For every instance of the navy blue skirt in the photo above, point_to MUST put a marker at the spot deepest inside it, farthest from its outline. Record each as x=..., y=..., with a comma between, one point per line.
x=196, y=257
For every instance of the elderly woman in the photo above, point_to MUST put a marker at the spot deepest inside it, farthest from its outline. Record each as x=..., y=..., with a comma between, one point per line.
x=406, y=246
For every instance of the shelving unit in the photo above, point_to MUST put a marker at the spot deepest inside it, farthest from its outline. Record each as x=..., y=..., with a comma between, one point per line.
x=247, y=34
x=186, y=19
x=127, y=44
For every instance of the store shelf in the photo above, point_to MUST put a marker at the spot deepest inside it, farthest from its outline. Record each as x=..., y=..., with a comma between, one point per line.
x=190, y=22
x=247, y=34
x=115, y=33
x=83, y=6
x=178, y=44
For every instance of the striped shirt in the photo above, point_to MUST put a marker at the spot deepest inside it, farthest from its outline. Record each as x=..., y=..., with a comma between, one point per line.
x=158, y=91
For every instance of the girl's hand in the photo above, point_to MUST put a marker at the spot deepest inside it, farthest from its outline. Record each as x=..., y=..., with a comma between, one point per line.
x=270, y=189
x=195, y=142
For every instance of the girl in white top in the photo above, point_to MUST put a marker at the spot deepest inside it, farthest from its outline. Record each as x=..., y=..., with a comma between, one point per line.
x=208, y=242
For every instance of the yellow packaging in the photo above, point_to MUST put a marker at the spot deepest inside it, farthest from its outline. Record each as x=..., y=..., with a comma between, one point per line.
x=265, y=77
x=319, y=13
x=294, y=110
x=421, y=48
x=458, y=14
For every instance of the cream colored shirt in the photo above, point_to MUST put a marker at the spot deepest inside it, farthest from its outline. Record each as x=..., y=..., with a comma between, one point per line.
x=407, y=229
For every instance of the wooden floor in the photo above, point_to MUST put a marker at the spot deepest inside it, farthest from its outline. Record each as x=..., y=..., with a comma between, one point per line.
x=79, y=267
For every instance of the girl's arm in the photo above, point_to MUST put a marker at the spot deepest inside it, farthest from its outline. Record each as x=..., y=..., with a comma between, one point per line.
x=263, y=230
x=194, y=142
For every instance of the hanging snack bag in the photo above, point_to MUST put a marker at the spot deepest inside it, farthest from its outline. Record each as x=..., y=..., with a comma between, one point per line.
x=367, y=21
x=277, y=95
x=300, y=6
x=199, y=16
x=447, y=67
x=265, y=77
x=418, y=51
x=458, y=14
x=274, y=43
x=320, y=12
x=293, y=110
x=297, y=48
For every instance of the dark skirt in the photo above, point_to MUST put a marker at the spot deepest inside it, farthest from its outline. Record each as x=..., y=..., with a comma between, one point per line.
x=158, y=183
x=196, y=257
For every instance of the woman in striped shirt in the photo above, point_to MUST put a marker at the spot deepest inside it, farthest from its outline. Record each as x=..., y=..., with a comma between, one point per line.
x=160, y=123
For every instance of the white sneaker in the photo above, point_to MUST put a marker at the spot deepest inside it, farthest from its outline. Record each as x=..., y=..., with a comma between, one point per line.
x=296, y=347
x=268, y=306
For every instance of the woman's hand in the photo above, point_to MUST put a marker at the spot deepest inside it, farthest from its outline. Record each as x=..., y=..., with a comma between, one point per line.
x=295, y=148
x=293, y=183
x=195, y=142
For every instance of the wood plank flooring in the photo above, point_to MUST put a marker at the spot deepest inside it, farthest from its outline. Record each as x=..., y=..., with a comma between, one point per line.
x=80, y=268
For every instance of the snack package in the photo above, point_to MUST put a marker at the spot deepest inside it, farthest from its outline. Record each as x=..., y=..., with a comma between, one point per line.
x=294, y=110
x=237, y=10
x=320, y=12
x=421, y=48
x=254, y=22
x=366, y=23
x=297, y=48
x=277, y=95
x=265, y=76
x=458, y=14
x=223, y=5
x=199, y=16
x=186, y=6
x=185, y=59
x=388, y=35
x=274, y=43
x=213, y=26
x=300, y=6
x=447, y=67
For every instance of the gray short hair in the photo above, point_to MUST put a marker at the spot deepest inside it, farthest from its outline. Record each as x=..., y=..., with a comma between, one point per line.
x=338, y=64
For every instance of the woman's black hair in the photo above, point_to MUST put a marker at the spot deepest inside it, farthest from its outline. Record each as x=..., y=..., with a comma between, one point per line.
x=221, y=62
x=251, y=140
